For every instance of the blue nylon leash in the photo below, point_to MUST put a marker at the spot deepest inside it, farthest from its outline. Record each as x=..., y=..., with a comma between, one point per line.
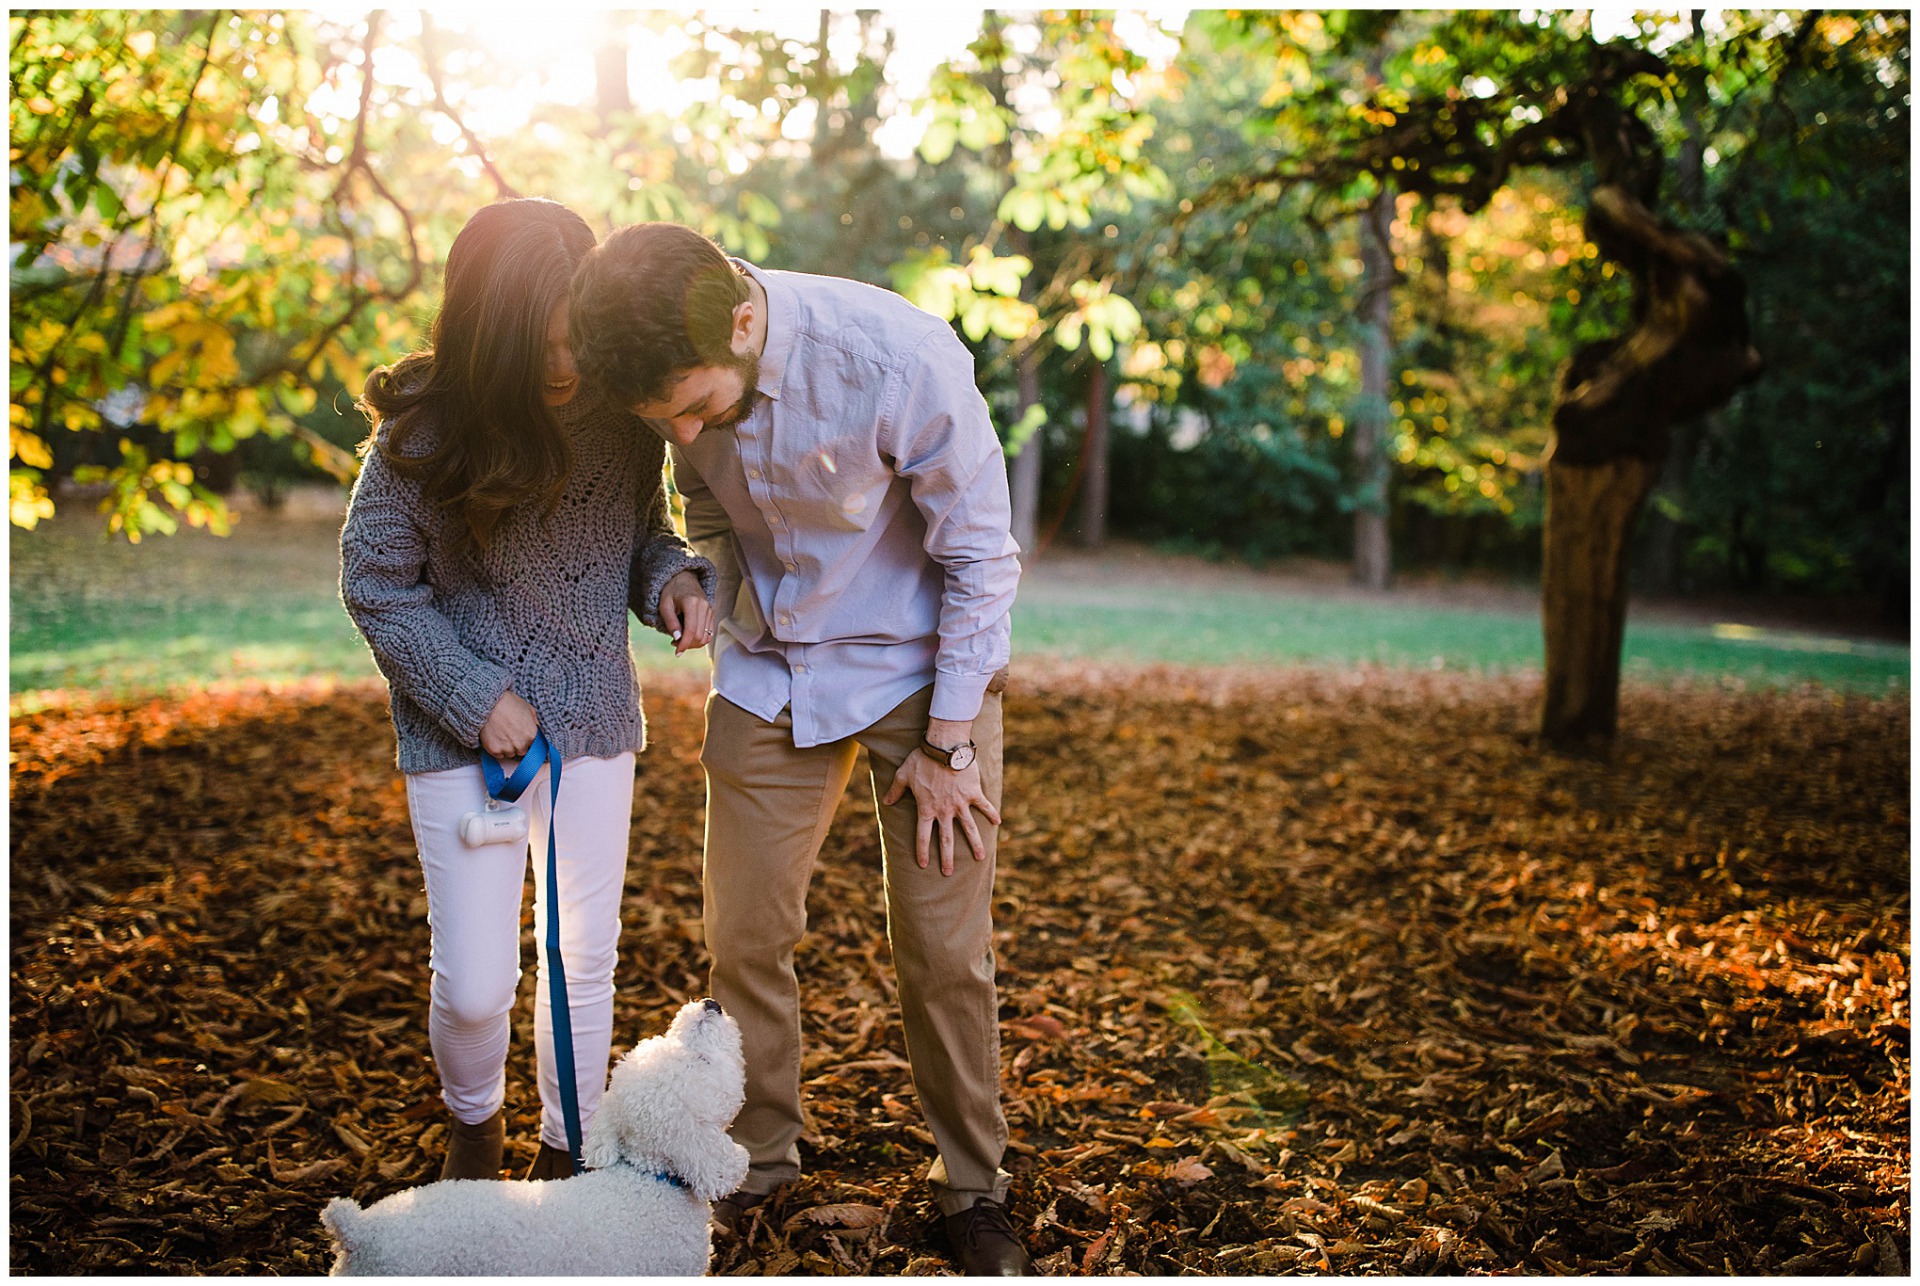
x=508, y=789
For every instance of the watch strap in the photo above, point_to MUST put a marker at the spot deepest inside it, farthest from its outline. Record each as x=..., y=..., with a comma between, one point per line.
x=944, y=755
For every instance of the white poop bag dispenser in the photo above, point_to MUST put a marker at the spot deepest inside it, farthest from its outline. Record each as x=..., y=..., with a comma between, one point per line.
x=499, y=823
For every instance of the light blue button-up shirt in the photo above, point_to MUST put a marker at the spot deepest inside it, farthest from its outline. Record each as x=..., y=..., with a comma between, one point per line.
x=858, y=517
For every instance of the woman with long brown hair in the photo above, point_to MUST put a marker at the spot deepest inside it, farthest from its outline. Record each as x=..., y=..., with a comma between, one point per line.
x=503, y=522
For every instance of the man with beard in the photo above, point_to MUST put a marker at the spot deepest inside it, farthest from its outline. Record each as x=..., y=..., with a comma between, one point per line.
x=840, y=469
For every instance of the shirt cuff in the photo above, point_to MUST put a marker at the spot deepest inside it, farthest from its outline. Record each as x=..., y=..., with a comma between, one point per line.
x=958, y=696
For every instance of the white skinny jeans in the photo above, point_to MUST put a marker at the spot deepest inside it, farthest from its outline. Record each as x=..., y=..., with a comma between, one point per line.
x=473, y=908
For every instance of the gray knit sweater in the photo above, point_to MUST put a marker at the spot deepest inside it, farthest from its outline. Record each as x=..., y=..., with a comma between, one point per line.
x=543, y=612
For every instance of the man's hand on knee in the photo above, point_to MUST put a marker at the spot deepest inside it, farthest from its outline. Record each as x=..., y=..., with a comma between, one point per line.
x=942, y=797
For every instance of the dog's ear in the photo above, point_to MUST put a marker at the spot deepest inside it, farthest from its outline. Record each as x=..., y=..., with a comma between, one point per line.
x=600, y=1148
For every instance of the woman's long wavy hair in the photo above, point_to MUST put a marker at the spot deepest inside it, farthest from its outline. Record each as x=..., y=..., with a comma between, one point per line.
x=479, y=387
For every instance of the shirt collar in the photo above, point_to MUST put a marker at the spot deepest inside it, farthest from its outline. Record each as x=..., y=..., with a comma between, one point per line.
x=782, y=308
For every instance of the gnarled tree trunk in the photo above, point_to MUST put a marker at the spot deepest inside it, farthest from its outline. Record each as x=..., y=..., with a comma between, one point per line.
x=1686, y=354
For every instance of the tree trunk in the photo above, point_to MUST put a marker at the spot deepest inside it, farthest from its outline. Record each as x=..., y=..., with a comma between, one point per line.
x=1617, y=403
x=1663, y=555
x=1583, y=591
x=1024, y=471
x=821, y=90
x=1093, y=468
x=1372, y=547
x=610, y=90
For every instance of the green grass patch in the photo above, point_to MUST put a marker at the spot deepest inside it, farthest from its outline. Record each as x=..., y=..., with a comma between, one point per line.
x=99, y=615
x=1240, y=628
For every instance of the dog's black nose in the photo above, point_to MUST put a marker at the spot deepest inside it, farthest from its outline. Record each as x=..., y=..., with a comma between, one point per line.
x=712, y=1006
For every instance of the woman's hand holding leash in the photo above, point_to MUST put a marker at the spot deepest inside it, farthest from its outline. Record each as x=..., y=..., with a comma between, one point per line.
x=686, y=616
x=510, y=729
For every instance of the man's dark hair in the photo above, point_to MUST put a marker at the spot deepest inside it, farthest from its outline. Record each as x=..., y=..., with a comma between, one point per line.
x=649, y=304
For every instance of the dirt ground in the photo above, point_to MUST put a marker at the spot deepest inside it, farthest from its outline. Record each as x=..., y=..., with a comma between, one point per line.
x=1300, y=973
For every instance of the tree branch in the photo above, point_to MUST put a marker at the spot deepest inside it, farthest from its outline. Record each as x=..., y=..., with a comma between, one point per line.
x=430, y=49
x=98, y=289
x=124, y=322
x=358, y=297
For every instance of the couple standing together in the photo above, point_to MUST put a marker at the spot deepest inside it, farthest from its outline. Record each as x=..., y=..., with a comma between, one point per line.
x=847, y=497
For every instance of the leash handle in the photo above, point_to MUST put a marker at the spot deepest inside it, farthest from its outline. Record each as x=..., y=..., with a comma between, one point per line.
x=508, y=789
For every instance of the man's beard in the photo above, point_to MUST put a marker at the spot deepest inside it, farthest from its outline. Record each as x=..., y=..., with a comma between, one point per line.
x=749, y=368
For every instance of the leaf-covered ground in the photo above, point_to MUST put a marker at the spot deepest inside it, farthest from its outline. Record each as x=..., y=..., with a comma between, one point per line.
x=1301, y=972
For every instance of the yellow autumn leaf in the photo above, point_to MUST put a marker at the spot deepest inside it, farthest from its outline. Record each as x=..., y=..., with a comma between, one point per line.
x=30, y=449
x=164, y=369
x=217, y=357
x=27, y=501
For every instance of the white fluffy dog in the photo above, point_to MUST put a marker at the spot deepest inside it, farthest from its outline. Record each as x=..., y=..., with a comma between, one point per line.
x=657, y=1156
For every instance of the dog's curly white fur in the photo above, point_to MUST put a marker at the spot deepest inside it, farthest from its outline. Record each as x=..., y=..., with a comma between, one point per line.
x=657, y=1156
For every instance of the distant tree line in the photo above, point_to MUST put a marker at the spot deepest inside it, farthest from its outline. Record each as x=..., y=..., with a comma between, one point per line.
x=1310, y=286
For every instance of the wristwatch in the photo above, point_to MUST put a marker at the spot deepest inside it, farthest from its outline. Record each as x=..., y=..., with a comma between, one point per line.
x=957, y=758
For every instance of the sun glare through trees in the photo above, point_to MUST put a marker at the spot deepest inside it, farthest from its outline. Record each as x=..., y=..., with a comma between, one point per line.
x=1457, y=747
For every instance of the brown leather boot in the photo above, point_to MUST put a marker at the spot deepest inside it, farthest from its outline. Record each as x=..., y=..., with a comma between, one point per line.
x=732, y=1210
x=473, y=1151
x=550, y=1163
x=985, y=1242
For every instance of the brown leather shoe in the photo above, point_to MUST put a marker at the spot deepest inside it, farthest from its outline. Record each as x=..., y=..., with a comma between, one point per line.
x=473, y=1151
x=731, y=1210
x=550, y=1163
x=984, y=1239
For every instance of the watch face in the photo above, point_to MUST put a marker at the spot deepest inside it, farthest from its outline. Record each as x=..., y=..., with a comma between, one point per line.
x=961, y=757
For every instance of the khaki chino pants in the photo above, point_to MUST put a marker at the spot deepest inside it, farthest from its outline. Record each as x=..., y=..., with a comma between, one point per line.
x=769, y=805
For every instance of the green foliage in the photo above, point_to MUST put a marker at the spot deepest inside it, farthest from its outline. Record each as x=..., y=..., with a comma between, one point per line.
x=1090, y=160
x=984, y=296
x=1022, y=430
x=1497, y=283
x=964, y=113
x=1250, y=481
x=195, y=250
x=1802, y=483
x=220, y=223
